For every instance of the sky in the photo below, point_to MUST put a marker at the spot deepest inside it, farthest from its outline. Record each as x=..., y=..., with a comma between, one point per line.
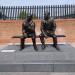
x=34, y=2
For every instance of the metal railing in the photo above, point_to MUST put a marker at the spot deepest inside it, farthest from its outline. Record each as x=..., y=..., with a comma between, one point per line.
x=21, y=12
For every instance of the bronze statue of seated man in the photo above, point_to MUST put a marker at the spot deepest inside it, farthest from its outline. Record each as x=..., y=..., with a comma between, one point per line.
x=28, y=30
x=48, y=27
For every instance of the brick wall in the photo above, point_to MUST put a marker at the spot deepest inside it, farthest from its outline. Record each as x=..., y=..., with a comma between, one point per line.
x=9, y=28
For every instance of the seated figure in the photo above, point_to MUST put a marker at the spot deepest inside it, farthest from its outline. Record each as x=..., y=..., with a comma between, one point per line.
x=28, y=30
x=48, y=27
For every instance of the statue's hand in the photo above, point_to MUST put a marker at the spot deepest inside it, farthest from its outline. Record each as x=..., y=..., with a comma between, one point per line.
x=46, y=36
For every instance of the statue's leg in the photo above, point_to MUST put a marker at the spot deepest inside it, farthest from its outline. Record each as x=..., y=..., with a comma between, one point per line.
x=22, y=43
x=34, y=42
x=55, y=41
x=42, y=41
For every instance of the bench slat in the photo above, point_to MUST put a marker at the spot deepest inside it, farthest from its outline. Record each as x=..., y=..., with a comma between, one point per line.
x=20, y=36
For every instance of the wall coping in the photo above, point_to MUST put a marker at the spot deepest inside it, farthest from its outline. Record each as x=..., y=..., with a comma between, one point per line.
x=11, y=21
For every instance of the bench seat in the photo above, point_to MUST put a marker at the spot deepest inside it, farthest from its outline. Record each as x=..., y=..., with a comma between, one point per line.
x=37, y=36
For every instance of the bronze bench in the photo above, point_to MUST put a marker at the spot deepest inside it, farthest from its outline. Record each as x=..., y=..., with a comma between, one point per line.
x=37, y=36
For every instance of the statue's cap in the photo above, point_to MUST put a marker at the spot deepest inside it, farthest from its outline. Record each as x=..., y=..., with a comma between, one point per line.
x=29, y=15
x=47, y=13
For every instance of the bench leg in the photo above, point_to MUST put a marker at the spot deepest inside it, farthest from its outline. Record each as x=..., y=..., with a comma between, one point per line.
x=22, y=43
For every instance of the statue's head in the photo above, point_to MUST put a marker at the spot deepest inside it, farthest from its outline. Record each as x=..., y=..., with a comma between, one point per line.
x=29, y=17
x=46, y=15
x=52, y=19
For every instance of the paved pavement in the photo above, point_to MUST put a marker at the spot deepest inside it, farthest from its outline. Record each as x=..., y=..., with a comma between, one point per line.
x=28, y=60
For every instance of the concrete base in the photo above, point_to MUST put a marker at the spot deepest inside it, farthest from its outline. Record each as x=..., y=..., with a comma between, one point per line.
x=36, y=73
x=28, y=60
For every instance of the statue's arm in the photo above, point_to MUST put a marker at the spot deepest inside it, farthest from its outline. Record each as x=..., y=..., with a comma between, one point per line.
x=41, y=28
